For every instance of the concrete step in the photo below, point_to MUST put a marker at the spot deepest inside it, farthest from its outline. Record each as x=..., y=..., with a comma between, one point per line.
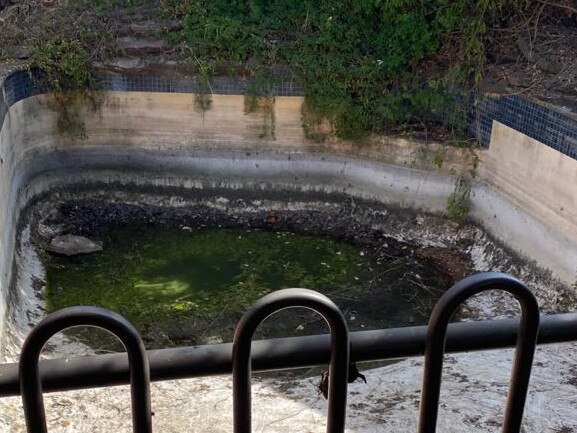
x=148, y=28
x=136, y=46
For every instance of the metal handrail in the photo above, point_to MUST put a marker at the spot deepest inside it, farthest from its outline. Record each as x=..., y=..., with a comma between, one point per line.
x=339, y=362
x=73, y=372
x=243, y=354
x=525, y=346
x=29, y=372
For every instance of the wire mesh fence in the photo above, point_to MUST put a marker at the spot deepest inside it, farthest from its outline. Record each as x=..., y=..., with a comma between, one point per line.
x=549, y=126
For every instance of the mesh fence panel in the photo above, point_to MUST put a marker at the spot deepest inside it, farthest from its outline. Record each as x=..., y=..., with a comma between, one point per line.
x=537, y=121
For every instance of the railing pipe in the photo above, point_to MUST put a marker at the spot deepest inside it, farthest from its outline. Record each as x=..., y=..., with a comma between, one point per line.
x=71, y=372
x=525, y=346
x=339, y=358
x=30, y=375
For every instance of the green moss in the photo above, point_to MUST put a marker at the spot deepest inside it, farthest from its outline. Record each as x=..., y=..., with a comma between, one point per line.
x=187, y=287
x=152, y=276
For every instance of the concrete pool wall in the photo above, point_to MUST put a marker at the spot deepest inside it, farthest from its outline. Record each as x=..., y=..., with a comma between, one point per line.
x=161, y=139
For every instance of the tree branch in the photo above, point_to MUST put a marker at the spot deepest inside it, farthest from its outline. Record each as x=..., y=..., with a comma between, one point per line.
x=559, y=5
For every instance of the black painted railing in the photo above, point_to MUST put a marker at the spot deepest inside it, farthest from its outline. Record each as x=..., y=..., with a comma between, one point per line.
x=341, y=349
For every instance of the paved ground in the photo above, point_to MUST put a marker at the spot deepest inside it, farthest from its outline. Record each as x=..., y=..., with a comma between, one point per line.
x=474, y=389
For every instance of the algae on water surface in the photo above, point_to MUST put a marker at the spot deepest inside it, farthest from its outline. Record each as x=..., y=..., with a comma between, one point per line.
x=187, y=287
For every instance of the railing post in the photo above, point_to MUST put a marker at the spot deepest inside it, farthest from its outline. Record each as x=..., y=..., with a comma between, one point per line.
x=435, y=346
x=339, y=363
x=30, y=380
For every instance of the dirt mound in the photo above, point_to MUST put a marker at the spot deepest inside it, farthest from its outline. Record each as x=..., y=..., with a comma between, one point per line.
x=455, y=264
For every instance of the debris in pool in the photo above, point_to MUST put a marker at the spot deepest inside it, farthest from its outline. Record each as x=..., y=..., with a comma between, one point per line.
x=272, y=217
x=355, y=374
x=73, y=245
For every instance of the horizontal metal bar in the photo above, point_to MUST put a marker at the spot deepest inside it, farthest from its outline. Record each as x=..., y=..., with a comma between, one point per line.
x=284, y=353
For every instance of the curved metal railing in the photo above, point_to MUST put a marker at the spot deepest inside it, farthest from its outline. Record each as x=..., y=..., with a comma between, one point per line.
x=436, y=337
x=339, y=363
x=462, y=335
x=30, y=380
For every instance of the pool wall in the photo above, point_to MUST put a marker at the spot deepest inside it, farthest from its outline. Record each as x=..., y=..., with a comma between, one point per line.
x=162, y=139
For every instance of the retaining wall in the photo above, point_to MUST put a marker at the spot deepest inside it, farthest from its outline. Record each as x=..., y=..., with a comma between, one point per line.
x=541, y=182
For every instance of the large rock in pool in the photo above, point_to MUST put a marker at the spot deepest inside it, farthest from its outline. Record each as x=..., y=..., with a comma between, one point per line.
x=72, y=245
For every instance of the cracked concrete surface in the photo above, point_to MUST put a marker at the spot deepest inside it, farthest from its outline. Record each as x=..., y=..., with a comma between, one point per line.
x=474, y=390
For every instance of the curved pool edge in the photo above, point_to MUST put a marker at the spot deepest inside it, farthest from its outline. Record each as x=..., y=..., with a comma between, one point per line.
x=36, y=159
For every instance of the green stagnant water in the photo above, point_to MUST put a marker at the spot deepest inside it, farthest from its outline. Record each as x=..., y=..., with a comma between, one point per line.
x=188, y=287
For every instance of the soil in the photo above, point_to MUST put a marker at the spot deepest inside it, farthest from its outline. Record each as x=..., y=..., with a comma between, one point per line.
x=538, y=63
x=454, y=263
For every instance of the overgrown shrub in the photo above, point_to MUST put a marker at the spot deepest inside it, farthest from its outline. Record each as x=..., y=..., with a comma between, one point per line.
x=367, y=65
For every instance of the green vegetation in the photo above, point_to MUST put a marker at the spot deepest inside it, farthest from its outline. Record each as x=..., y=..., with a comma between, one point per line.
x=439, y=158
x=203, y=96
x=459, y=202
x=157, y=276
x=66, y=70
x=65, y=63
x=367, y=65
x=259, y=98
x=180, y=287
x=104, y=7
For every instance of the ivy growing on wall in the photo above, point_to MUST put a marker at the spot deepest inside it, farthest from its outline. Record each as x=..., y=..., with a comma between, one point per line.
x=66, y=70
x=366, y=65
